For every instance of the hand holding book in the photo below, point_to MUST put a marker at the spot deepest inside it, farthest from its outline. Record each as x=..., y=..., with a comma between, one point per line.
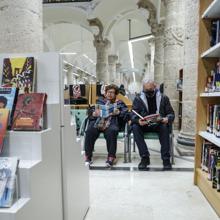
x=150, y=119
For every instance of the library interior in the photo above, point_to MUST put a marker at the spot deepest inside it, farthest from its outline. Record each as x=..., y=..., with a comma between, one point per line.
x=110, y=109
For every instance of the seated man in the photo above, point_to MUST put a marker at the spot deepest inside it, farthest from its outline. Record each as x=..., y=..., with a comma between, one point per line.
x=108, y=125
x=151, y=101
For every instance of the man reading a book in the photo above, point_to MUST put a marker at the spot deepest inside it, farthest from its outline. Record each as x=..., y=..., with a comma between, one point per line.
x=107, y=116
x=147, y=105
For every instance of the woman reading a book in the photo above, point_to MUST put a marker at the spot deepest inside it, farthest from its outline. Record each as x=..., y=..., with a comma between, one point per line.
x=152, y=112
x=107, y=116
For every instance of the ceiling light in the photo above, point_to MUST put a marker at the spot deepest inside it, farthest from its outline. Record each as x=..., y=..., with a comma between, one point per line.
x=146, y=37
x=131, y=58
x=134, y=76
x=130, y=47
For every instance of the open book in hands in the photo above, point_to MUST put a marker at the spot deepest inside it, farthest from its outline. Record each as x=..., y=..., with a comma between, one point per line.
x=150, y=119
x=106, y=110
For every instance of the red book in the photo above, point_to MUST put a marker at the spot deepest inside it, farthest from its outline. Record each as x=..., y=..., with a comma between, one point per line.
x=4, y=113
x=149, y=118
x=29, y=112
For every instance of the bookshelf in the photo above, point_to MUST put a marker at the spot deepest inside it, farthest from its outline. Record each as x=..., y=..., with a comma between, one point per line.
x=208, y=58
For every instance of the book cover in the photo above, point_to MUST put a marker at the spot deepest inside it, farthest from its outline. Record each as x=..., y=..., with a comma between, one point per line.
x=29, y=112
x=4, y=113
x=19, y=73
x=8, y=98
x=8, y=170
x=217, y=32
x=213, y=33
x=106, y=110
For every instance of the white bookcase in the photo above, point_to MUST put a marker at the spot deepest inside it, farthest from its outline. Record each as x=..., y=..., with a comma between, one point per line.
x=53, y=181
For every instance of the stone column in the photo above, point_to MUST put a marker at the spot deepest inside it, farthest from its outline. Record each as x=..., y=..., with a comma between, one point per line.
x=147, y=64
x=102, y=48
x=159, y=53
x=118, y=73
x=186, y=137
x=70, y=77
x=173, y=49
x=152, y=54
x=21, y=26
x=112, y=60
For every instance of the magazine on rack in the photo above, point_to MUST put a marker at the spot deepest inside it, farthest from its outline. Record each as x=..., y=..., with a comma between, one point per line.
x=8, y=170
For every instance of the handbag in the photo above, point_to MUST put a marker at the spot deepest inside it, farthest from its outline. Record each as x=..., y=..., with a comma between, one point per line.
x=102, y=123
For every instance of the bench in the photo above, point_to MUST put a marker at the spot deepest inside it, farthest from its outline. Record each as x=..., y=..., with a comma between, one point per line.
x=154, y=136
x=82, y=122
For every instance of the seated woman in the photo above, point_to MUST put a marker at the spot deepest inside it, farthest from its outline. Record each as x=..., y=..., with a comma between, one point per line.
x=106, y=122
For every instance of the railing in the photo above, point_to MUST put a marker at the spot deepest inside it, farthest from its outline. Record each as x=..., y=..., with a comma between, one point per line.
x=64, y=1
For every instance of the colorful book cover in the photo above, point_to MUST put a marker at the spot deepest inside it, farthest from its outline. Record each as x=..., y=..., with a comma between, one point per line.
x=8, y=98
x=8, y=170
x=19, y=73
x=29, y=112
x=106, y=110
x=4, y=113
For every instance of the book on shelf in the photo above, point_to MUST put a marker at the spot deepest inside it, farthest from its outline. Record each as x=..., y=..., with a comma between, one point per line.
x=215, y=32
x=213, y=119
x=8, y=99
x=29, y=112
x=213, y=80
x=150, y=119
x=8, y=173
x=210, y=163
x=20, y=73
x=4, y=114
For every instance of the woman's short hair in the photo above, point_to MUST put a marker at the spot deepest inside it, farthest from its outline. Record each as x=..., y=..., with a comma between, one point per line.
x=112, y=86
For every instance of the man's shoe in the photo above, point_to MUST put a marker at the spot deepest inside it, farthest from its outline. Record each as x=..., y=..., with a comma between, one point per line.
x=145, y=161
x=167, y=165
x=110, y=161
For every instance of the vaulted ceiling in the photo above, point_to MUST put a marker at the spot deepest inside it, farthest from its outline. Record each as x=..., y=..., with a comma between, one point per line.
x=66, y=29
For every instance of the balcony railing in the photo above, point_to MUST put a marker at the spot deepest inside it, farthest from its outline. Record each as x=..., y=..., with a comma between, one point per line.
x=64, y=1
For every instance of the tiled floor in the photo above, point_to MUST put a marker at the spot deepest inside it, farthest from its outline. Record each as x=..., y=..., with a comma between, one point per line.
x=135, y=195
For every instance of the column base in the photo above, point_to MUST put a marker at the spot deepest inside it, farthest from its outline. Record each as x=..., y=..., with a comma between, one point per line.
x=185, y=144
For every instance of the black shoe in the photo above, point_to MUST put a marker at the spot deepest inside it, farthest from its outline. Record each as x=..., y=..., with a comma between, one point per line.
x=145, y=161
x=167, y=165
x=110, y=161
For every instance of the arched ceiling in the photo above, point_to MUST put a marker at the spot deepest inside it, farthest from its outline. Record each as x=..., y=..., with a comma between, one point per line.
x=66, y=29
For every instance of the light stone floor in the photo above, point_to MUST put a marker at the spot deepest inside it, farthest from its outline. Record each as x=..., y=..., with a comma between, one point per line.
x=135, y=195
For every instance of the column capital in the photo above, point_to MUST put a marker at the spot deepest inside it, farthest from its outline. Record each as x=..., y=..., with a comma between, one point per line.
x=102, y=44
x=118, y=65
x=112, y=58
x=95, y=22
x=174, y=36
x=158, y=30
x=150, y=7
